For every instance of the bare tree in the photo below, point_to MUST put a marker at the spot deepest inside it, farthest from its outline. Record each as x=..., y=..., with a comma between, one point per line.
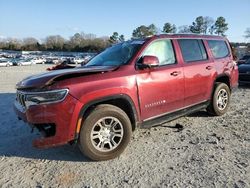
x=208, y=24
x=54, y=42
x=30, y=43
x=88, y=36
x=13, y=43
x=184, y=29
x=75, y=40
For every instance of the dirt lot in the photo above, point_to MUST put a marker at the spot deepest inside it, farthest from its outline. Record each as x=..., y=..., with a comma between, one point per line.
x=207, y=152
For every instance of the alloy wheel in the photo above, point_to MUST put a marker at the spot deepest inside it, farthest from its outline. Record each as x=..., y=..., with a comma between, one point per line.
x=107, y=134
x=222, y=99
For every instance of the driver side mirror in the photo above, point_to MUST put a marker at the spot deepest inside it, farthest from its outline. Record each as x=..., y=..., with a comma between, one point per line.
x=148, y=61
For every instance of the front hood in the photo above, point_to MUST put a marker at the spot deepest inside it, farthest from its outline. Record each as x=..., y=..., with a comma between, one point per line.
x=48, y=78
x=244, y=68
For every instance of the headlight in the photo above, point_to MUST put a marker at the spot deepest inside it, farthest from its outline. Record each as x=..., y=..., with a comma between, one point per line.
x=45, y=97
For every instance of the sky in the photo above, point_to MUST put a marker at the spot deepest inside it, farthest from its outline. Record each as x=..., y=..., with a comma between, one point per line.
x=41, y=18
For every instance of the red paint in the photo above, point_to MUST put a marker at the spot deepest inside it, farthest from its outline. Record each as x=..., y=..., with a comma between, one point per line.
x=153, y=91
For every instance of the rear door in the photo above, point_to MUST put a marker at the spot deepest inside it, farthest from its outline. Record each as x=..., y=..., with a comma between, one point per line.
x=160, y=89
x=198, y=71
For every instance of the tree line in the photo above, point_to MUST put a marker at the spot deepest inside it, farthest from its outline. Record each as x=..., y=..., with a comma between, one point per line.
x=77, y=42
x=91, y=43
x=201, y=25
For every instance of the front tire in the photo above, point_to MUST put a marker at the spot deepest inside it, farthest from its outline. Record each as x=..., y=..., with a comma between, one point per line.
x=220, y=100
x=105, y=133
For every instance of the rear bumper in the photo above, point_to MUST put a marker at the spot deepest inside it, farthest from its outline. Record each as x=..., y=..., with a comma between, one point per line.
x=63, y=116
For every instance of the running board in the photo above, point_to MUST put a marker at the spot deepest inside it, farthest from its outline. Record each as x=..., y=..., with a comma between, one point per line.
x=173, y=115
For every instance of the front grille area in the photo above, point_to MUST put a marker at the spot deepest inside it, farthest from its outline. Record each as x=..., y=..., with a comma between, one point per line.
x=47, y=130
x=20, y=97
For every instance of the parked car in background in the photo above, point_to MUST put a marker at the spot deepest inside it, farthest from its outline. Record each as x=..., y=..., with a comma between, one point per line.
x=134, y=84
x=86, y=59
x=77, y=60
x=5, y=63
x=243, y=59
x=38, y=60
x=244, y=73
x=54, y=60
x=23, y=62
x=2, y=58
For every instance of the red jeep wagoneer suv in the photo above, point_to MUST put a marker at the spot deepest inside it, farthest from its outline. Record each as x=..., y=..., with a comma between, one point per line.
x=137, y=83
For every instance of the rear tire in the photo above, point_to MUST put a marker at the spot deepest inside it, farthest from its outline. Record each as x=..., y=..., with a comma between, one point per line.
x=105, y=133
x=220, y=100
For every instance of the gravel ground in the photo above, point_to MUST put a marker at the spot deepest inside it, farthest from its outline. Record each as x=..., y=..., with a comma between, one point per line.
x=193, y=151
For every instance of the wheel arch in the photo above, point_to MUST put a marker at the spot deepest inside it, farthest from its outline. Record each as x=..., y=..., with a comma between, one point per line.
x=213, y=107
x=223, y=78
x=122, y=101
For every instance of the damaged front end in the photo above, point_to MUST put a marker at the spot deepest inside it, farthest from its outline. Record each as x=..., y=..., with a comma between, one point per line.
x=53, y=111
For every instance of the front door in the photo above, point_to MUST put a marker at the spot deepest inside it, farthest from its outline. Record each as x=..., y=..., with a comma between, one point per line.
x=160, y=89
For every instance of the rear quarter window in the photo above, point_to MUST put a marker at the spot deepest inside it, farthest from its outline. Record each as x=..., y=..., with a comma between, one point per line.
x=219, y=48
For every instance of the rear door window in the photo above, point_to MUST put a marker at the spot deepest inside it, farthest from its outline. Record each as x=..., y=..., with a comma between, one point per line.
x=192, y=50
x=219, y=48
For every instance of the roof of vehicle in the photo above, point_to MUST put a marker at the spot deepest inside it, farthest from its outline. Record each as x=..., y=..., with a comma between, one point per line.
x=180, y=35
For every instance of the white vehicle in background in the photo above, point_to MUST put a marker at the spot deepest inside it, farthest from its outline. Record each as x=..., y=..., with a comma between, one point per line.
x=57, y=61
x=53, y=60
x=38, y=60
x=78, y=60
x=5, y=63
x=2, y=58
x=86, y=59
x=22, y=62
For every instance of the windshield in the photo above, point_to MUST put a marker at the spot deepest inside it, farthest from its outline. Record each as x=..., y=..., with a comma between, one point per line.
x=116, y=55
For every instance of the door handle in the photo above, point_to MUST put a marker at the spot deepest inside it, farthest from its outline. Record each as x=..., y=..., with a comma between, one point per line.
x=175, y=73
x=209, y=67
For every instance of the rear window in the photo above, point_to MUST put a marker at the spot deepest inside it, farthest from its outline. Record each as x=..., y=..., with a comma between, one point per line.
x=219, y=48
x=192, y=50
